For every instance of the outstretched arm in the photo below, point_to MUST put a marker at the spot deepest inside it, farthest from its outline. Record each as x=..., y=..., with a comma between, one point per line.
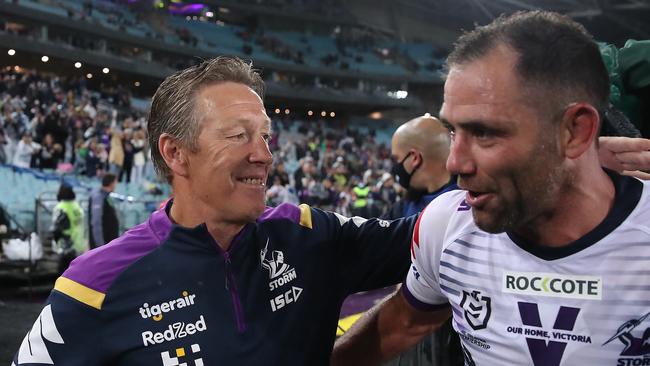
x=385, y=331
x=629, y=156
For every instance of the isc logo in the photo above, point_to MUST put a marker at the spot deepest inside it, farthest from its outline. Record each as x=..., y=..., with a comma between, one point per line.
x=285, y=298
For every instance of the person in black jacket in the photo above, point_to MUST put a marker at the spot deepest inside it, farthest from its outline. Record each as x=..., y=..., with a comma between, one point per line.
x=102, y=218
x=215, y=277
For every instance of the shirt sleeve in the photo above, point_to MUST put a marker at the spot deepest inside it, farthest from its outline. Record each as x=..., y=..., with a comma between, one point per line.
x=422, y=288
x=370, y=253
x=66, y=332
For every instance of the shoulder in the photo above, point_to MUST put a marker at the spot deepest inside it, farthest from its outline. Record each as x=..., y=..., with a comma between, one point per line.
x=91, y=275
x=300, y=215
x=444, y=216
x=641, y=212
x=445, y=208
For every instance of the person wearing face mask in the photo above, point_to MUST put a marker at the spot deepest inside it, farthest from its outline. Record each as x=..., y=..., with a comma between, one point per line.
x=420, y=148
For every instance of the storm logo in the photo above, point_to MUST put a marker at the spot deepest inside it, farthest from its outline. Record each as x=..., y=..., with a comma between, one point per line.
x=275, y=265
x=633, y=346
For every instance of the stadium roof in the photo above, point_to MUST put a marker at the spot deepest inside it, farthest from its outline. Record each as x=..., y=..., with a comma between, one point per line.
x=612, y=21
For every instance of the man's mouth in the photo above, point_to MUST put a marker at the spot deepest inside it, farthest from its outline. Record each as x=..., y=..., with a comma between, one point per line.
x=477, y=199
x=474, y=194
x=253, y=181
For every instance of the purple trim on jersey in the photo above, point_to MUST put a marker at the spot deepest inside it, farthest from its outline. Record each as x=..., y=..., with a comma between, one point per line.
x=98, y=268
x=283, y=211
x=420, y=305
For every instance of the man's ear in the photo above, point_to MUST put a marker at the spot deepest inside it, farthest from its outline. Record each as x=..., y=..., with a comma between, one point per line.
x=174, y=154
x=580, y=126
x=417, y=158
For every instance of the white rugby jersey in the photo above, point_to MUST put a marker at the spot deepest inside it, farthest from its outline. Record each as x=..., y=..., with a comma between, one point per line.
x=515, y=303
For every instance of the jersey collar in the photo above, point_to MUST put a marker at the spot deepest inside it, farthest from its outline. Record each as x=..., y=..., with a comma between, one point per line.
x=627, y=196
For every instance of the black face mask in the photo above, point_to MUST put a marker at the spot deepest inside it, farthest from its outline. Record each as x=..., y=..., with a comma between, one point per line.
x=401, y=175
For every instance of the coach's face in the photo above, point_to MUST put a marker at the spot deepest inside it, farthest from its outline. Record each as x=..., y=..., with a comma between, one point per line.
x=229, y=170
x=505, y=153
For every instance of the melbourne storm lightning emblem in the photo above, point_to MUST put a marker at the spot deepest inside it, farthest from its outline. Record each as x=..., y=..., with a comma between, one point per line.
x=275, y=265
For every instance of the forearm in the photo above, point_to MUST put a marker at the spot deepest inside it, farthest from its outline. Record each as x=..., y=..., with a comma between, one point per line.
x=384, y=332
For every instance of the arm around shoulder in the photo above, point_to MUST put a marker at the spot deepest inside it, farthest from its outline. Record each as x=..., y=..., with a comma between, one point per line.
x=385, y=331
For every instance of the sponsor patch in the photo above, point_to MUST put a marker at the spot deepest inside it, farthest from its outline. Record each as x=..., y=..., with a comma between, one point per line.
x=553, y=284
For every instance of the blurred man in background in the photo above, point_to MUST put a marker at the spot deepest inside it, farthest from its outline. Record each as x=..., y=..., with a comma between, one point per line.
x=420, y=148
x=103, y=221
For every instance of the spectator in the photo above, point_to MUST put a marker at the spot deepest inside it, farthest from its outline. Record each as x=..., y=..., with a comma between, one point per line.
x=26, y=151
x=420, y=147
x=139, y=161
x=102, y=217
x=68, y=227
x=116, y=154
x=50, y=154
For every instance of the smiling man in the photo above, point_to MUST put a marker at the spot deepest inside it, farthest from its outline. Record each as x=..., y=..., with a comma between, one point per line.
x=538, y=257
x=215, y=278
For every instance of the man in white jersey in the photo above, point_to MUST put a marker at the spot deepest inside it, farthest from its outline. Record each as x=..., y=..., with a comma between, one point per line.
x=543, y=258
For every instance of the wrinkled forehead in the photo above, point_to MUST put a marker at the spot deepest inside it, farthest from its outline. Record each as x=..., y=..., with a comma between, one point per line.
x=227, y=95
x=230, y=102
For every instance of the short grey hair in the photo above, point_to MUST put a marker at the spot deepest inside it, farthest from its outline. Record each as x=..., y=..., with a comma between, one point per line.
x=173, y=105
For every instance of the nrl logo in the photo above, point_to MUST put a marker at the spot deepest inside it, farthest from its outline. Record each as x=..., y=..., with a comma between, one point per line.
x=477, y=309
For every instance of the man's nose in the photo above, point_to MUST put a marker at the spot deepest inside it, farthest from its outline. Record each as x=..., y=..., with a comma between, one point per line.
x=261, y=152
x=460, y=161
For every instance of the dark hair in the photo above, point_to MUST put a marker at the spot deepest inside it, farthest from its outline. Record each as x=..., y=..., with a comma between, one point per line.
x=65, y=193
x=172, y=106
x=556, y=55
x=108, y=179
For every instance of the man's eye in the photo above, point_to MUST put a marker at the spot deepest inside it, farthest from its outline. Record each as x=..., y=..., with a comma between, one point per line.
x=239, y=136
x=266, y=137
x=482, y=133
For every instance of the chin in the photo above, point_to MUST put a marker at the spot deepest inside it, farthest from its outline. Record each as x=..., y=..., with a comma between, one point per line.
x=486, y=222
x=255, y=211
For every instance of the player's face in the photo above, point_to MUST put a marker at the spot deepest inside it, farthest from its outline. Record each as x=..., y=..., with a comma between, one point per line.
x=505, y=153
x=229, y=170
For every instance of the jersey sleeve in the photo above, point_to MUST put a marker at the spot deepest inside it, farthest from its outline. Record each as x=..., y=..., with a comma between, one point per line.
x=422, y=288
x=370, y=253
x=67, y=331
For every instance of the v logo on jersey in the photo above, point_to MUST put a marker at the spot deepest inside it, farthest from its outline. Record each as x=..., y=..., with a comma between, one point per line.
x=543, y=353
x=33, y=349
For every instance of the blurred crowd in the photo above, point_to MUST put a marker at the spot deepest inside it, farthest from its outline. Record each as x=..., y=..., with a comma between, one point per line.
x=52, y=122
x=331, y=167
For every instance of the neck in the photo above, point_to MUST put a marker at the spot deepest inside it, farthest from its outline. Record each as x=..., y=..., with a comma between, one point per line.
x=580, y=207
x=438, y=179
x=189, y=211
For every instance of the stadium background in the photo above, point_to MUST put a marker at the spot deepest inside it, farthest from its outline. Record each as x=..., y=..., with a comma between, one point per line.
x=340, y=76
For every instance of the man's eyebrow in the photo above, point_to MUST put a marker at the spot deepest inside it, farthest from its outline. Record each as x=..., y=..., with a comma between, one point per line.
x=445, y=123
x=472, y=124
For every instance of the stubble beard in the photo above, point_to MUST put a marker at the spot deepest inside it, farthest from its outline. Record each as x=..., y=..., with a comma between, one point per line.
x=533, y=195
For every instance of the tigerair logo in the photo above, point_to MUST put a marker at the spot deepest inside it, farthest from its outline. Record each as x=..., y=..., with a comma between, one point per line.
x=554, y=285
x=156, y=311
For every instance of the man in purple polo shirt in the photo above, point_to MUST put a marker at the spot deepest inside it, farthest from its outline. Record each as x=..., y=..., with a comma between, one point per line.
x=215, y=277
